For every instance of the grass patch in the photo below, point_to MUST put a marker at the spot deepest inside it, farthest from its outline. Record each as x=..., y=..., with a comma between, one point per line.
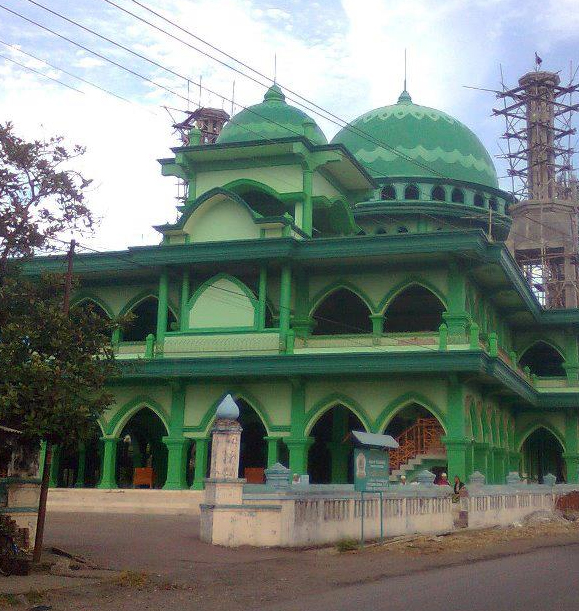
x=8, y=600
x=34, y=597
x=347, y=545
x=132, y=579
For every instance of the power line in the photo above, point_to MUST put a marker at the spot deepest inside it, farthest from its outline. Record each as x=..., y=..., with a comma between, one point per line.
x=80, y=78
x=40, y=73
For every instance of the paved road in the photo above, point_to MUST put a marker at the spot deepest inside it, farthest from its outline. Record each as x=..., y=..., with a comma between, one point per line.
x=546, y=580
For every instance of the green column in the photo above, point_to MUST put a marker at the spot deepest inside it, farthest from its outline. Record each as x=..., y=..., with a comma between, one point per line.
x=80, y=474
x=377, y=325
x=177, y=445
x=571, y=364
x=456, y=443
x=480, y=455
x=262, y=295
x=491, y=466
x=308, y=210
x=178, y=450
x=272, y=450
x=514, y=459
x=500, y=464
x=201, y=453
x=162, y=308
x=298, y=453
x=571, y=454
x=456, y=317
x=285, y=302
x=54, y=466
x=184, y=306
x=109, y=466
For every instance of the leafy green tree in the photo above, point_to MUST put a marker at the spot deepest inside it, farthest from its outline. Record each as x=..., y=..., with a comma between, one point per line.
x=40, y=195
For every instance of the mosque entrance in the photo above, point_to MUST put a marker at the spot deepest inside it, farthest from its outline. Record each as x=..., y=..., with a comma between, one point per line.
x=142, y=455
x=542, y=453
x=253, y=459
x=330, y=456
x=419, y=435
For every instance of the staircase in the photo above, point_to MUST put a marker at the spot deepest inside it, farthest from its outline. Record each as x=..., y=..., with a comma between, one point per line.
x=420, y=447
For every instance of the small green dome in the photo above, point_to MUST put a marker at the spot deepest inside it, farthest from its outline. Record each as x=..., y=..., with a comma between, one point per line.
x=430, y=144
x=273, y=118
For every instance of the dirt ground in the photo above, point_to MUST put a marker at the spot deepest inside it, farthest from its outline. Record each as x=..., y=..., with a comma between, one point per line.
x=257, y=581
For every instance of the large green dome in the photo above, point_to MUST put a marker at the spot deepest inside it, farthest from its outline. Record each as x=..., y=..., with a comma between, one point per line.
x=273, y=118
x=429, y=144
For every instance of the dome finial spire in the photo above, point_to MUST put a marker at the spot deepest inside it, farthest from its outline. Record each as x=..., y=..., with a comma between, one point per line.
x=404, y=69
x=405, y=96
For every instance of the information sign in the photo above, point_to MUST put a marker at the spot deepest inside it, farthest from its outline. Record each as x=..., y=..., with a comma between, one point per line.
x=371, y=470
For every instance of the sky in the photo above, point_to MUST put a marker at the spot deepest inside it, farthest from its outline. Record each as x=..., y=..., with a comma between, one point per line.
x=347, y=56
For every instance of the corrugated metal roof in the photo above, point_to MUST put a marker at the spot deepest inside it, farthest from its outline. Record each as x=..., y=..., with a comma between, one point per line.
x=374, y=440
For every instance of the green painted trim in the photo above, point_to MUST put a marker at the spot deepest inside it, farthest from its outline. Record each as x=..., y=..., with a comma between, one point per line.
x=534, y=426
x=124, y=414
x=85, y=295
x=135, y=301
x=327, y=403
x=400, y=403
x=234, y=186
x=334, y=286
x=402, y=286
x=537, y=339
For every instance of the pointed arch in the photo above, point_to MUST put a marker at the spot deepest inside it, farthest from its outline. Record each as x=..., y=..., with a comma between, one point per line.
x=232, y=305
x=539, y=423
x=402, y=401
x=411, y=192
x=336, y=285
x=148, y=318
x=116, y=424
x=87, y=296
x=341, y=311
x=402, y=286
x=543, y=358
x=262, y=199
x=327, y=403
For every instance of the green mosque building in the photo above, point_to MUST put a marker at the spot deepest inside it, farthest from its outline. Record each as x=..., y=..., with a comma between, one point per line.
x=358, y=284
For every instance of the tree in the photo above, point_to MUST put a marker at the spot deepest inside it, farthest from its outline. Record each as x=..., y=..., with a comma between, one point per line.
x=40, y=196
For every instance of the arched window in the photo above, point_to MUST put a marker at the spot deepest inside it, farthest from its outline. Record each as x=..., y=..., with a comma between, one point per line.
x=381, y=231
x=342, y=313
x=402, y=229
x=388, y=192
x=543, y=360
x=542, y=454
x=493, y=205
x=413, y=310
x=457, y=196
x=479, y=200
x=411, y=192
x=145, y=320
x=438, y=194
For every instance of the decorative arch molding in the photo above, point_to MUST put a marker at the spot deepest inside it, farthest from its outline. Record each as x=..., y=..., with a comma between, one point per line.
x=102, y=425
x=327, y=403
x=402, y=286
x=336, y=286
x=240, y=185
x=83, y=296
x=136, y=300
x=536, y=339
x=236, y=393
x=535, y=425
x=245, y=292
x=388, y=413
x=123, y=415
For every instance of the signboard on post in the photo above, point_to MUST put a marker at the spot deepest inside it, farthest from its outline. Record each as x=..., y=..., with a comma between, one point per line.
x=371, y=470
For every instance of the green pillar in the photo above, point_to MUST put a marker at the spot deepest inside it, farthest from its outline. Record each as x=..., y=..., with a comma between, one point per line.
x=79, y=483
x=491, y=466
x=500, y=464
x=456, y=442
x=116, y=338
x=308, y=209
x=262, y=295
x=571, y=454
x=54, y=466
x=184, y=306
x=571, y=364
x=480, y=456
x=272, y=450
x=377, y=325
x=178, y=450
x=456, y=317
x=162, y=308
x=298, y=453
x=201, y=454
x=109, y=466
x=177, y=445
x=285, y=302
x=514, y=459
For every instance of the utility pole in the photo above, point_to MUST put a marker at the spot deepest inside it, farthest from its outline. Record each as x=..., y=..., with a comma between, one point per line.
x=48, y=453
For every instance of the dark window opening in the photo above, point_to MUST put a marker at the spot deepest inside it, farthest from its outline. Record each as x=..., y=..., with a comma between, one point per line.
x=493, y=204
x=388, y=192
x=253, y=451
x=413, y=310
x=457, y=196
x=438, y=194
x=479, y=200
x=543, y=360
x=411, y=192
x=381, y=231
x=263, y=203
x=402, y=229
x=342, y=313
x=145, y=321
x=542, y=454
